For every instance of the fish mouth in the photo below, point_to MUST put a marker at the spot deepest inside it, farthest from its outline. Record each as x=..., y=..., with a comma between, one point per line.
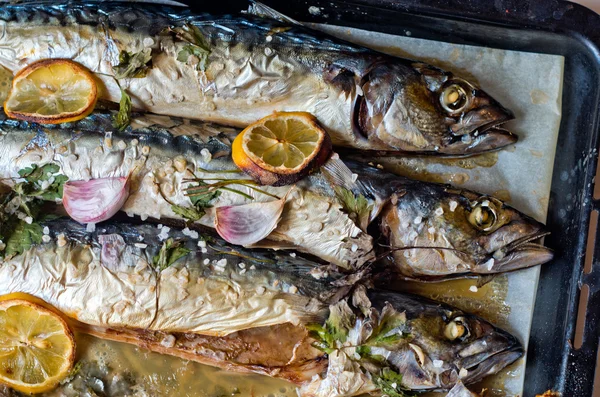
x=487, y=139
x=493, y=363
x=518, y=254
x=480, y=131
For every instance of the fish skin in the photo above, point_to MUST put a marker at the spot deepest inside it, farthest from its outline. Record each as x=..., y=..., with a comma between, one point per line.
x=365, y=99
x=149, y=155
x=103, y=288
x=111, y=284
x=82, y=152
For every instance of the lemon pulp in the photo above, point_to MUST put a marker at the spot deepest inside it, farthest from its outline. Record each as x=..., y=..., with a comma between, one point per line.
x=52, y=91
x=36, y=346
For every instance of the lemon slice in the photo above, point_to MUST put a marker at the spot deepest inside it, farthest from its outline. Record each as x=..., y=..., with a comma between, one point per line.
x=37, y=348
x=281, y=148
x=52, y=91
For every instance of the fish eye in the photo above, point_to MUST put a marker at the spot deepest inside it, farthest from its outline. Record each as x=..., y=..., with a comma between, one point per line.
x=483, y=216
x=454, y=98
x=457, y=329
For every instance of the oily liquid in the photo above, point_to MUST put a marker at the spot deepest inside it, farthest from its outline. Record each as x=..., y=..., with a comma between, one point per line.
x=417, y=167
x=121, y=369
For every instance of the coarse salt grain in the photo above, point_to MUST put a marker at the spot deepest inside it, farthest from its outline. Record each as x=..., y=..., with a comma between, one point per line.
x=439, y=211
x=453, y=204
x=29, y=220
x=463, y=373
x=46, y=230
x=473, y=288
x=168, y=341
x=417, y=220
x=141, y=245
x=45, y=238
x=202, y=244
x=90, y=227
x=438, y=363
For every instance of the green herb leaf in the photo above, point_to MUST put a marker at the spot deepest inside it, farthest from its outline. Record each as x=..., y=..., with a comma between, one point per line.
x=133, y=65
x=390, y=383
x=203, y=200
x=33, y=185
x=35, y=173
x=335, y=331
x=170, y=252
x=122, y=119
x=198, y=46
x=200, y=203
x=356, y=206
x=341, y=320
x=189, y=213
x=23, y=236
x=389, y=329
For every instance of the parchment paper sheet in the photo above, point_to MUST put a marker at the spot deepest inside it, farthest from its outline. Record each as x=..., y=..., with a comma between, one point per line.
x=531, y=86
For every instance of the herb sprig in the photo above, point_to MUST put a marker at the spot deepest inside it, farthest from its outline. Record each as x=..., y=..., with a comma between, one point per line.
x=170, y=252
x=20, y=208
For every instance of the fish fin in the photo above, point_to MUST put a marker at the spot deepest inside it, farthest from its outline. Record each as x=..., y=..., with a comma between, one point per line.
x=338, y=174
x=274, y=245
x=483, y=280
x=264, y=11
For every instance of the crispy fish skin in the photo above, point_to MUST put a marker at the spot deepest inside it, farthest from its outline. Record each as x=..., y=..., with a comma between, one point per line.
x=157, y=159
x=227, y=315
x=255, y=66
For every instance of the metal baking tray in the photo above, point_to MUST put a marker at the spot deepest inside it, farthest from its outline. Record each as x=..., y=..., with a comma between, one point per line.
x=563, y=346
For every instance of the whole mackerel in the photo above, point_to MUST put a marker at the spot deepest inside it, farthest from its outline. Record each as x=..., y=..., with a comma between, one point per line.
x=236, y=69
x=253, y=311
x=428, y=231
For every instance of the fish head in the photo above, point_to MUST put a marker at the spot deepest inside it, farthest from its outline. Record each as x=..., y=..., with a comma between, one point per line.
x=445, y=344
x=436, y=231
x=429, y=110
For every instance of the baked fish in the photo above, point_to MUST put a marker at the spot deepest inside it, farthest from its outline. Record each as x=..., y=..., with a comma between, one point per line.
x=430, y=231
x=236, y=69
x=253, y=311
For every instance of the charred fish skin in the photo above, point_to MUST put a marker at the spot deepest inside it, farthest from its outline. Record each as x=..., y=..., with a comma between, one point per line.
x=159, y=154
x=255, y=66
x=434, y=232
